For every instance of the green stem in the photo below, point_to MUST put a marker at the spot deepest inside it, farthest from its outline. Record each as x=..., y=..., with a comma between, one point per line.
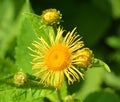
x=58, y=95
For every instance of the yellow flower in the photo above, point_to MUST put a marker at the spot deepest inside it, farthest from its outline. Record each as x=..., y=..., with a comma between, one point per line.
x=58, y=59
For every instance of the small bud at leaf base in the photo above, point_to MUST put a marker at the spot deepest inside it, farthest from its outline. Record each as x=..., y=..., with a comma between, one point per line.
x=69, y=98
x=20, y=78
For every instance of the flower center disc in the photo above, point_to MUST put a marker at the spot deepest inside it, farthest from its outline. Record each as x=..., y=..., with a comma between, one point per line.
x=57, y=57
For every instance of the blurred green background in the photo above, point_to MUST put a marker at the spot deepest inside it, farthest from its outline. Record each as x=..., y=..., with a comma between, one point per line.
x=97, y=21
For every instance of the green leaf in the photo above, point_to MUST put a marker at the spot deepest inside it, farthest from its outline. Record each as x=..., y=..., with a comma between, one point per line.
x=115, y=4
x=20, y=95
x=92, y=82
x=49, y=94
x=63, y=90
x=29, y=92
x=52, y=94
x=6, y=23
x=7, y=66
x=32, y=28
x=102, y=96
x=40, y=29
x=25, y=38
x=9, y=25
x=99, y=63
x=112, y=80
x=113, y=41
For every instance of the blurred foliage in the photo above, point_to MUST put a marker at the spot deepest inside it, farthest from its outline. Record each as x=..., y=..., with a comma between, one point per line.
x=98, y=21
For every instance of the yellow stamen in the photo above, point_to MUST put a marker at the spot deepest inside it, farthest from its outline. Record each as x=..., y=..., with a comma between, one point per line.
x=57, y=57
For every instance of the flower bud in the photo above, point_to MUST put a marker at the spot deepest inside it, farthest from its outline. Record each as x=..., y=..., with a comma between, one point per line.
x=69, y=98
x=85, y=58
x=20, y=78
x=51, y=16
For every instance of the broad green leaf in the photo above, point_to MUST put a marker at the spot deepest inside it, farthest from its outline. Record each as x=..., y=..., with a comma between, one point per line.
x=6, y=22
x=21, y=95
x=32, y=28
x=92, y=82
x=99, y=63
x=40, y=29
x=113, y=41
x=50, y=94
x=25, y=39
x=7, y=66
x=112, y=80
x=29, y=92
x=18, y=6
x=102, y=96
x=115, y=4
x=10, y=28
x=9, y=25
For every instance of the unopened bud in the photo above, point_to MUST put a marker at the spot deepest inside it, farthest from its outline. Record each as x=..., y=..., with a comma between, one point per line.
x=51, y=16
x=20, y=78
x=69, y=98
x=85, y=58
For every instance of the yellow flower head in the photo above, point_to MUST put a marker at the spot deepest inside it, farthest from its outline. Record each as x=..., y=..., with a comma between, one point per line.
x=58, y=59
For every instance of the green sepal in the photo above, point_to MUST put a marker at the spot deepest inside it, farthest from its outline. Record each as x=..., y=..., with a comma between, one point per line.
x=99, y=63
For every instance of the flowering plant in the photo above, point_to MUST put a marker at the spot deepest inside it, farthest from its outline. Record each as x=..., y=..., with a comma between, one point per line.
x=49, y=61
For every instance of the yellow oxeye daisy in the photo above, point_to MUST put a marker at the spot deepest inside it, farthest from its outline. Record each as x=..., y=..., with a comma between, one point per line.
x=58, y=59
